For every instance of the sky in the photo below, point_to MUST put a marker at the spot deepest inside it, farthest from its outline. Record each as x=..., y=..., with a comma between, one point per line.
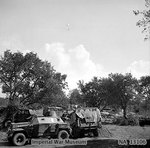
x=80, y=38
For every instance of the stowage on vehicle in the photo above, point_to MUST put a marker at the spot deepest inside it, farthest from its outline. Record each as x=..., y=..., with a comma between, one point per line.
x=38, y=127
x=85, y=121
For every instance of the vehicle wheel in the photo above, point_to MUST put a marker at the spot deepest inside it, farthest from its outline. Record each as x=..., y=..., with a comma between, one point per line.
x=95, y=133
x=63, y=134
x=19, y=139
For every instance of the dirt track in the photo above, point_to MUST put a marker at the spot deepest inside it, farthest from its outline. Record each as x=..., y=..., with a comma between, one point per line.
x=108, y=136
x=114, y=132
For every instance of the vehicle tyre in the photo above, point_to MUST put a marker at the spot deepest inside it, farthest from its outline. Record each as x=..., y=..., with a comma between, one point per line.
x=19, y=139
x=63, y=134
x=95, y=132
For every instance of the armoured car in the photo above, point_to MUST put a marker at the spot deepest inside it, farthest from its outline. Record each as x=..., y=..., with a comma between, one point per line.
x=38, y=127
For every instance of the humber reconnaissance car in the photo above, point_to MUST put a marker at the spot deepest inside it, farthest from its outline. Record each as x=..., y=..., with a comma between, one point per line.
x=38, y=127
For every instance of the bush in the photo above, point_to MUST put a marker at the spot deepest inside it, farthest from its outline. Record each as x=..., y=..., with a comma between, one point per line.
x=144, y=121
x=131, y=120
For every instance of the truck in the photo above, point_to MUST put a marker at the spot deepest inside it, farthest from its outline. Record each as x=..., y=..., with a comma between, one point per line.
x=85, y=121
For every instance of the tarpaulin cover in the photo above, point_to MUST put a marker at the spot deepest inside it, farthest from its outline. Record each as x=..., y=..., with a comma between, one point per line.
x=90, y=114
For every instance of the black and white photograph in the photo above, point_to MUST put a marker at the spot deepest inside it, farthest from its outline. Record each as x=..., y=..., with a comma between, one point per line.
x=75, y=73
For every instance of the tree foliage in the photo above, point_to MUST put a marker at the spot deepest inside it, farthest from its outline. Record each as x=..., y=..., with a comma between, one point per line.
x=145, y=21
x=144, y=84
x=124, y=89
x=97, y=92
x=116, y=90
x=27, y=79
x=75, y=97
x=91, y=92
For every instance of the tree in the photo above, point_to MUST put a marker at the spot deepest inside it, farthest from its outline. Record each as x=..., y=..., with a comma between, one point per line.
x=75, y=97
x=145, y=21
x=116, y=91
x=144, y=84
x=90, y=92
x=97, y=92
x=60, y=100
x=26, y=79
x=124, y=90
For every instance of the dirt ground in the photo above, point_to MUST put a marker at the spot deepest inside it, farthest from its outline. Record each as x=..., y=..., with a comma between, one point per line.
x=124, y=132
x=112, y=132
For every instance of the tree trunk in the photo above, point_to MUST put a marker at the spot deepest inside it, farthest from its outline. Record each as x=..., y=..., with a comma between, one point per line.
x=124, y=113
